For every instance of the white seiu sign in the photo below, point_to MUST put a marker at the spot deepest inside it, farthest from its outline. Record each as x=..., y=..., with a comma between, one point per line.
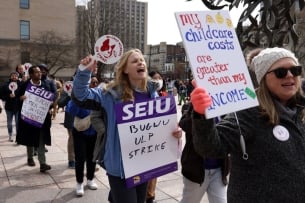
x=216, y=60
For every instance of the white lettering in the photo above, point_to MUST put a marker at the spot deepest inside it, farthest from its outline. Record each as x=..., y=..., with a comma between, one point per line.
x=143, y=109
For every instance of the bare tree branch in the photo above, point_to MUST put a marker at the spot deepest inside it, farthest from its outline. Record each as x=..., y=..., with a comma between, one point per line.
x=52, y=49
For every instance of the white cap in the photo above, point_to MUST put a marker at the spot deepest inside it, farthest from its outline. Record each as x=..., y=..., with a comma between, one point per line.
x=266, y=58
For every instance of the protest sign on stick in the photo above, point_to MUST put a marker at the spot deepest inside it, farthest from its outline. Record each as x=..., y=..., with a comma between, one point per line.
x=216, y=60
x=108, y=49
x=68, y=86
x=148, y=148
x=26, y=68
x=13, y=87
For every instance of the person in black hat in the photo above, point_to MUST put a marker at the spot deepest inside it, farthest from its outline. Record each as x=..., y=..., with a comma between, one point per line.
x=28, y=134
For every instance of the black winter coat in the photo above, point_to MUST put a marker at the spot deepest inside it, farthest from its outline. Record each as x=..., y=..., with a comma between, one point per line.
x=192, y=163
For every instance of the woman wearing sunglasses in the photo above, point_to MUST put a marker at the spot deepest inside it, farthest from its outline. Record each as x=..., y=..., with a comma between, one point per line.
x=266, y=143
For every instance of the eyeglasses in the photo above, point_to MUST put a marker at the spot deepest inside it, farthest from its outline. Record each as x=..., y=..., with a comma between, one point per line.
x=282, y=72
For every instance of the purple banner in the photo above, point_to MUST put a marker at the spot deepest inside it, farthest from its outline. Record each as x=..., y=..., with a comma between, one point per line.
x=148, y=175
x=31, y=121
x=131, y=111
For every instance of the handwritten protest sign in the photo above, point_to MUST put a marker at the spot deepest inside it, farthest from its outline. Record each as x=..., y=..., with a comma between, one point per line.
x=148, y=148
x=36, y=105
x=216, y=60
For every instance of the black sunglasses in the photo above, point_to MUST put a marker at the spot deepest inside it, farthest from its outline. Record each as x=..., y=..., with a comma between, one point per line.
x=282, y=72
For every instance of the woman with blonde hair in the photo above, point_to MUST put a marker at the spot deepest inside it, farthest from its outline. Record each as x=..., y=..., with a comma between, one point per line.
x=131, y=84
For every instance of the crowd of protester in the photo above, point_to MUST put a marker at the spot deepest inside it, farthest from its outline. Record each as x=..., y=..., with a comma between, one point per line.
x=212, y=161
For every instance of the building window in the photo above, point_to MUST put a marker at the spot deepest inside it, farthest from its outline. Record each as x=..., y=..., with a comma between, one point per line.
x=24, y=30
x=24, y=3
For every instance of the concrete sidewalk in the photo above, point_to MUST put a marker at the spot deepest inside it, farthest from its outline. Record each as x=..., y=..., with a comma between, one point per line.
x=21, y=183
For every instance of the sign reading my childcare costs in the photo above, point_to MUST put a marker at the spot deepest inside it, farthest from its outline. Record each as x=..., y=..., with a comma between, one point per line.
x=36, y=105
x=148, y=148
x=216, y=60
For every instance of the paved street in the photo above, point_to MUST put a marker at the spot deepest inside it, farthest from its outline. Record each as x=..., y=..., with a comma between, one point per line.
x=21, y=183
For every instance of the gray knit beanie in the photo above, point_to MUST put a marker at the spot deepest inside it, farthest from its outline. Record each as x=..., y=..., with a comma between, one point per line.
x=266, y=58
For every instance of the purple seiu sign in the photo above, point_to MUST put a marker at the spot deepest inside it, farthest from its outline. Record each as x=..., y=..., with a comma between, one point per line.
x=148, y=148
x=36, y=105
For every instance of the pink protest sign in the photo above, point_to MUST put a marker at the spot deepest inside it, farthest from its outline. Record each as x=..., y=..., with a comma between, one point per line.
x=216, y=60
x=108, y=49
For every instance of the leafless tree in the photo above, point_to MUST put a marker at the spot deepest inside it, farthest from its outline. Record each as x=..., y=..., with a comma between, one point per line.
x=89, y=30
x=53, y=50
x=6, y=59
x=98, y=26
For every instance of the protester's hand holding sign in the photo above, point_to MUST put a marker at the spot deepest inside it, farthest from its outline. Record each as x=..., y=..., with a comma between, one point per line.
x=88, y=63
x=22, y=98
x=200, y=98
x=177, y=133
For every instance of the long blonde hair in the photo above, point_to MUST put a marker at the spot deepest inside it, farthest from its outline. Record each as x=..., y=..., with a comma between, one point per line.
x=267, y=104
x=121, y=82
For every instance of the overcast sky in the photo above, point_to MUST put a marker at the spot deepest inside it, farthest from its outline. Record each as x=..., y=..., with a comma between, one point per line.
x=162, y=25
